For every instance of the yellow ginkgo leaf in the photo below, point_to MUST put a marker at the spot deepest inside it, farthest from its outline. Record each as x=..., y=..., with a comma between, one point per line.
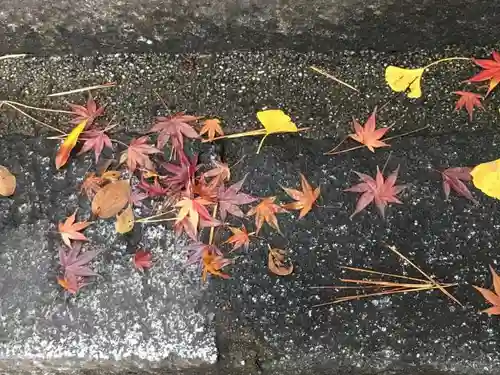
x=486, y=177
x=402, y=79
x=273, y=120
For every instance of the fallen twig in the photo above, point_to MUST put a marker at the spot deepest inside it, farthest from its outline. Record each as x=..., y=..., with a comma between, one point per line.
x=334, y=78
x=96, y=87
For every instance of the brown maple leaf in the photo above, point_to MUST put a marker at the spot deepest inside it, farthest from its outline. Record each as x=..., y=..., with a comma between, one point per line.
x=490, y=296
x=266, y=211
x=70, y=230
x=91, y=185
x=491, y=71
x=368, y=135
x=88, y=113
x=304, y=199
x=95, y=140
x=453, y=180
x=138, y=154
x=240, y=238
x=377, y=190
x=469, y=100
x=212, y=128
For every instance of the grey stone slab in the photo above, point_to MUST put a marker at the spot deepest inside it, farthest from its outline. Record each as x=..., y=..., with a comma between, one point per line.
x=124, y=319
x=270, y=319
x=62, y=26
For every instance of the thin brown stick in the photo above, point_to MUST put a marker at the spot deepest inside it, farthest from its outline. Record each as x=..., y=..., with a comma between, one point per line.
x=212, y=229
x=13, y=56
x=320, y=71
x=32, y=118
x=37, y=108
x=367, y=270
x=96, y=87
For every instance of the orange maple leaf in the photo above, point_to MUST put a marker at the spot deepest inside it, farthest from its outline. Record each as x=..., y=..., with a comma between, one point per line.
x=69, y=144
x=266, y=211
x=70, y=230
x=240, y=238
x=490, y=296
x=213, y=263
x=193, y=210
x=304, y=199
x=212, y=127
x=469, y=100
x=91, y=185
x=368, y=135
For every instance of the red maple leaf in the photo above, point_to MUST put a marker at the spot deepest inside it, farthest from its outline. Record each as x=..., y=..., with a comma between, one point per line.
x=142, y=260
x=153, y=190
x=453, y=180
x=138, y=154
x=368, y=135
x=88, y=113
x=491, y=71
x=95, y=140
x=195, y=252
x=469, y=100
x=183, y=172
x=75, y=263
x=174, y=128
x=377, y=190
x=230, y=199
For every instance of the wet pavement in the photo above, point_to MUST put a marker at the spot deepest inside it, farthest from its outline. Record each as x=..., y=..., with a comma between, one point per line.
x=255, y=322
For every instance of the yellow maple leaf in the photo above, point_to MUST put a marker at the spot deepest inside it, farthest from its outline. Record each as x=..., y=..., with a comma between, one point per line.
x=486, y=177
x=402, y=79
x=273, y=120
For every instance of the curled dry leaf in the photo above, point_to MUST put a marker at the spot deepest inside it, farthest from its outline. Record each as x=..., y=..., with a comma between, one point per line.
x=111, y=199
x=125, y=220
x=7, y=182
x=277, y=264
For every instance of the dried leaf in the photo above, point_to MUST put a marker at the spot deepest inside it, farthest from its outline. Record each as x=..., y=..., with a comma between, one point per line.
x=125, y=220
x=193, y=210
x=138, y=154
x=212, y=127
x=491, y=71
x=453, y=180
x=230, y=199
x=469, y=100
x=304, y=199
x=183, y=173
x=111, y=176
x=69, y=143
x=266, y=211
x=88, y=113
x=153, y=190
x=213, y=263
x=142, y=260
x=174, y=128
x=95, y=140
x=240, y=238
x=7, y=182
x=220, y=172
x=75, y=263
x=493, y=297
x=276, y=262
x=91, y=185
x=486, y=177
x=402, y=79
x=70, y=230
x=377, y=190
x=111, y=199
x=368, y=135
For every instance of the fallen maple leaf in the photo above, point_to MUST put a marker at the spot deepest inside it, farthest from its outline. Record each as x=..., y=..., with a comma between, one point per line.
x=230, y=199
x=184, y=226
x=490, y=296
x=75, y=263
x=240, y=238
x=183, y=173
x=196, y=250
x=7, y=182
x=206, y=190
x=88, y=113
x=469, y=100
x=91, y=185
x=212, y=127
x=69, y=144
x=453, y=179
x=70, y=283
x=138, y=154
x=368, y=135
x=193, y=209
x=70, y=230
x=95, y=140
x=304, y=199
x=153, y=190
x=266, y=211
x=491, y=71
x=213, y=263
x=276, y=262
x=220, y=172
x=137, y=197
x=174, y=128
x=377, y=190
x=142, y=260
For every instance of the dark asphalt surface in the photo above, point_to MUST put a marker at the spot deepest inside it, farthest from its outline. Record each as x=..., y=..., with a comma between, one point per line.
x=262, y=323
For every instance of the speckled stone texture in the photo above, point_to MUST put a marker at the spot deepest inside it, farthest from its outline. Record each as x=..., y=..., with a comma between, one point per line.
x=125, y=319
x=62, y=26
